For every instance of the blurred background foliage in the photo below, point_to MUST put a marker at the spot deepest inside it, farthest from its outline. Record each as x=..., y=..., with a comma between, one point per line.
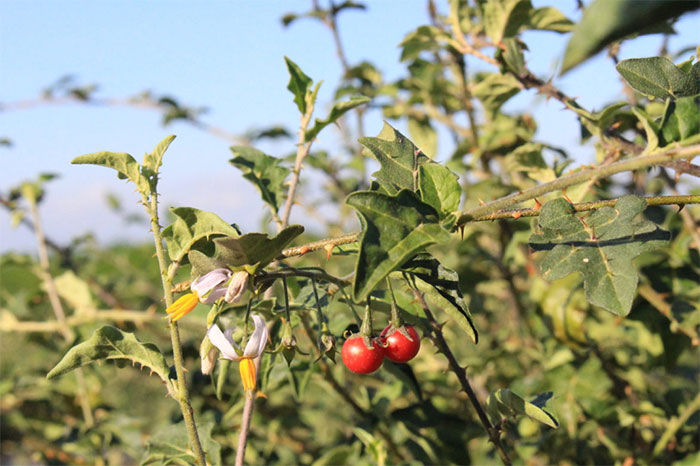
x=625, y=389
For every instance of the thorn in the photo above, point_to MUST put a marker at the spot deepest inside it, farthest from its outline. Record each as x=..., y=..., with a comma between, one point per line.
x=677, y=177
x=329, y=250
x=563, y=191
x=481, y=202
x=304, y=250
x=680, y=207
x=538, y=206
x=461, y=231
x=517, y=215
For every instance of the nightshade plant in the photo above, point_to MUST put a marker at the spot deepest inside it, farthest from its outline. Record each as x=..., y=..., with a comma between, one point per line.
x=588, y=310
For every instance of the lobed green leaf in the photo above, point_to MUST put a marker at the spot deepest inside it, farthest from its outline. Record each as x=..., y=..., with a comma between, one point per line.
x=126, y=166
x=441, y=286
x=395, y=228
x=266, y=172
x=110, y=343
x=658, y=77
x=601, y=248
x=253, y=250
x=299, y=84
x=399, y=159
x=190, y=226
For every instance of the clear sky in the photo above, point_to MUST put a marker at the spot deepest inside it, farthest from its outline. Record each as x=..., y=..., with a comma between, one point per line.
x=226, y=56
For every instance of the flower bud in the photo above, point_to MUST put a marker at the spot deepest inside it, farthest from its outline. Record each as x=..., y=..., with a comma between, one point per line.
x=237, y=287
x=209, y=354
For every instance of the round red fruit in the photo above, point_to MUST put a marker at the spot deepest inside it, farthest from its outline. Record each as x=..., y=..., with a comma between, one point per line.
x=360, y=358
x=397, y=346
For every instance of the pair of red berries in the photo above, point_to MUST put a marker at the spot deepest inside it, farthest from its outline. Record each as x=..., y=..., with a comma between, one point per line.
x=396, y=344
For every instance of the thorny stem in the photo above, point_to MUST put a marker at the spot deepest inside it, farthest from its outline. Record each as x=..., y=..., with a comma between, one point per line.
x=58, y=307
x=340, y=390
x=489, y=213
x=182, y=393
x=439, y=340
x=578, y=177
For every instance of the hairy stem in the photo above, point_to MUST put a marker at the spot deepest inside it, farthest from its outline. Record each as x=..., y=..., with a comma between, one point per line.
x=182, y=393
x=439, y=340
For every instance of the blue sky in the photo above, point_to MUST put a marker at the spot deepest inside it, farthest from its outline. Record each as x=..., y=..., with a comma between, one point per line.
x=228, y=57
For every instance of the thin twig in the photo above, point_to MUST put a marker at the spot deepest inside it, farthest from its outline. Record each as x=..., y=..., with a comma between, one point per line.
x=57, y=307
x=439, y=340
x=350, y=238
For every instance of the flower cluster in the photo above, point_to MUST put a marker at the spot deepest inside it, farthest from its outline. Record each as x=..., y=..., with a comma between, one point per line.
x=208, y=288
x=229, y=286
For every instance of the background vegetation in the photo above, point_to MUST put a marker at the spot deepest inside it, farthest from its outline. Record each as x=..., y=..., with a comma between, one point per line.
x=610, y=372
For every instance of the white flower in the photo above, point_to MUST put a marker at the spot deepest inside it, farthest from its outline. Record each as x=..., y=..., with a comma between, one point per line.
x=209, y=286
x=250, y=357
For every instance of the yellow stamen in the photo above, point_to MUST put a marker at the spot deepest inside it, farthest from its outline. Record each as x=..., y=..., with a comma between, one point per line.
x=182, y=306
x=248, y=374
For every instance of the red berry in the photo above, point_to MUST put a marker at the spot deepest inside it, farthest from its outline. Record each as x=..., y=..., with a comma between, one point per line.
x=360, y=358
x=399, y=347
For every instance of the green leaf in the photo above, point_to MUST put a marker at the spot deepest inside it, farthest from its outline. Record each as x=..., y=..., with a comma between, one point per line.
x=439, y=188
x=441, y=286
x=110, y=343
x=190, y=226
x=394, y=229
x=264, y=171
x=651, y=130
x=423, y=134
x=549, y=19
x=399, y=159
x=336, y=112
x=75, y=291
x=374, y=445
x=682, y=120
x=503, y=18
x=606, y=21
x=299, y=84
x=504, y=403
x=171, y=445
x=512, y=56
x=658, y=77
x=601, y=248
x=255, y=250
x=152, y=162
x=423, y=38
x=495, y=89
x=126, y=166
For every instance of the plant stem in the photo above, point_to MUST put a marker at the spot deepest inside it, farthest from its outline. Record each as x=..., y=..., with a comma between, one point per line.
x=578, y=177
x=303, y=149
x=57, y=307
x=245, y=427
x=676, y=424
x=491, y=214
x=439, y=340
x=182, y=393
